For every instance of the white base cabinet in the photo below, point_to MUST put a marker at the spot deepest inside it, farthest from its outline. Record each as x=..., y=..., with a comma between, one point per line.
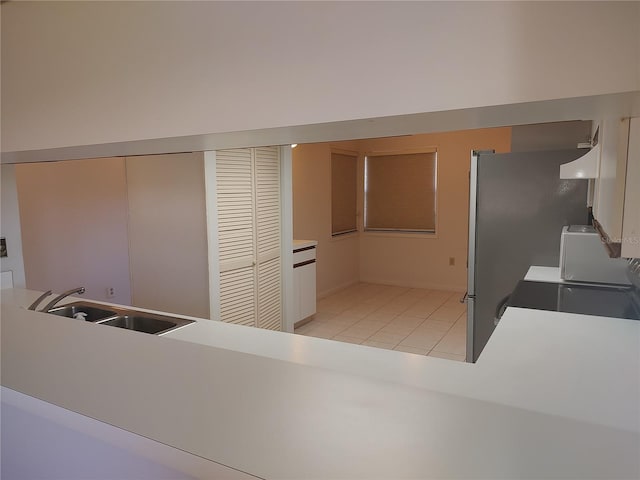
x=304, y=280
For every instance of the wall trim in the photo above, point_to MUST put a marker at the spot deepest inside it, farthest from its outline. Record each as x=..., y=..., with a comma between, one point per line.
x=212, y=234
x=286, y=232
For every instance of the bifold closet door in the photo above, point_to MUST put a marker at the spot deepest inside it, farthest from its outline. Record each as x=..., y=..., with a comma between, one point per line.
x=248, y=204
x=267, y=177
x=236, y=235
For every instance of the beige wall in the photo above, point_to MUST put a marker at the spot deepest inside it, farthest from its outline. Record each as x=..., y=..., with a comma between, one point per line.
x=74, y=226
x=168, y=233
x=135, y=224
x=395, y=259
x=337, y=258
x=81, y=73
x=423, y=260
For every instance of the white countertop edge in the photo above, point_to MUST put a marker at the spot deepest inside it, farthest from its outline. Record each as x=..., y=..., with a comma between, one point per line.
x=543, y=274
x=298, y=244
x=552, y=274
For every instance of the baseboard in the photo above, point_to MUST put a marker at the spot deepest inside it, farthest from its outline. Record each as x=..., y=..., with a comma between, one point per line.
x=333, y=290
x=428, y=286
x=302, y=322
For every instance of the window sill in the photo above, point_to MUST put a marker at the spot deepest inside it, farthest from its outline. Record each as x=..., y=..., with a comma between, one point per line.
x=412, y=235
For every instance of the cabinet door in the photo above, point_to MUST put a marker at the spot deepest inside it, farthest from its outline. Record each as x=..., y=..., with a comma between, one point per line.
x=307, y=286
x=297, y=286
x=610, y=185
x=631, y=219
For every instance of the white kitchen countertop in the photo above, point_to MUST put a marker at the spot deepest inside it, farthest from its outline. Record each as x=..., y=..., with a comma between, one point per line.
x=552, y=395
x=297, y=244
x=543, y=274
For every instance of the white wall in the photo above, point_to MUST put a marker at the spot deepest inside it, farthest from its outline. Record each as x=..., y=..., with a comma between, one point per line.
x=79, y=73
x=74, y=226
x=168, y=233
x=337, y=258
x=136, y=224
x=10, y=227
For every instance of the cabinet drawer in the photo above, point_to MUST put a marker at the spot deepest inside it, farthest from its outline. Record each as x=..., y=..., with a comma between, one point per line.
x=304, y=256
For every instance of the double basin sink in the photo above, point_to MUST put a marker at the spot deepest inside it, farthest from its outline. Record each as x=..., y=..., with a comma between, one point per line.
x=120, y=317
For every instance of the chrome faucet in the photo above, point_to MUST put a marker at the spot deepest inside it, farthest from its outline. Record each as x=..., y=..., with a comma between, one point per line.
x=39, y=299
x=52, y=303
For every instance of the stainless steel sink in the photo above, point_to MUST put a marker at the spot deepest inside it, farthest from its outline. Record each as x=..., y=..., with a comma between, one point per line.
x=83, y=311
x=141, y=323
x=127, y=318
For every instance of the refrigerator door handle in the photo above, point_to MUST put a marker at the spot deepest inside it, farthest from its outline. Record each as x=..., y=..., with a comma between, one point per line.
x=473, y=206
x=500, y=308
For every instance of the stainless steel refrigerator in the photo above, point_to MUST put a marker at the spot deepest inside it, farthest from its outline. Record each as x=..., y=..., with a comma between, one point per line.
x=517, y=207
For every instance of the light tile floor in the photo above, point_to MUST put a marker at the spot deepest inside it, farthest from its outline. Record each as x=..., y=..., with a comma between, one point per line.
x=414, y=320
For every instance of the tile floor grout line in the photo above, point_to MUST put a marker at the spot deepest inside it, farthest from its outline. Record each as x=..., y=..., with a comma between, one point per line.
x=343, y=301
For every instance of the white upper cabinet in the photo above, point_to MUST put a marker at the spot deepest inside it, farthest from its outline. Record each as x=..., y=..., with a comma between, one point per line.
x=631, y=216
x=616, y=203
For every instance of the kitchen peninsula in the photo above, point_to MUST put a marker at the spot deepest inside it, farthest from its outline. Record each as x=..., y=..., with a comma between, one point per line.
x=553, y=395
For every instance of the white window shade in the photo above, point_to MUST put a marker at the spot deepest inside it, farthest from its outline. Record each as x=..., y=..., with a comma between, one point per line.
x=400, y=192
x=344, y=185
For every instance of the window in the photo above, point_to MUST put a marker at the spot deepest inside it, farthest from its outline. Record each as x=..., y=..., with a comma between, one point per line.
x=344, y=198
x=400, y=192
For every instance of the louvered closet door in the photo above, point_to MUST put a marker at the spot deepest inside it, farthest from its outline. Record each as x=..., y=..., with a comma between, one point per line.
x=267, y=179
x=236, y=235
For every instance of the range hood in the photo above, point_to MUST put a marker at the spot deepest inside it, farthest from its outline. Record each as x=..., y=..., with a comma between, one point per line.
x=584, y=167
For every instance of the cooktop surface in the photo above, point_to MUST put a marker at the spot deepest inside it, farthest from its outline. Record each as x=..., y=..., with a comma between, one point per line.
x=606, y=301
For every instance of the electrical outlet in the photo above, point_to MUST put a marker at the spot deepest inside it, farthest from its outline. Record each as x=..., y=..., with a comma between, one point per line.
x=111, y=292
x=452, y=261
